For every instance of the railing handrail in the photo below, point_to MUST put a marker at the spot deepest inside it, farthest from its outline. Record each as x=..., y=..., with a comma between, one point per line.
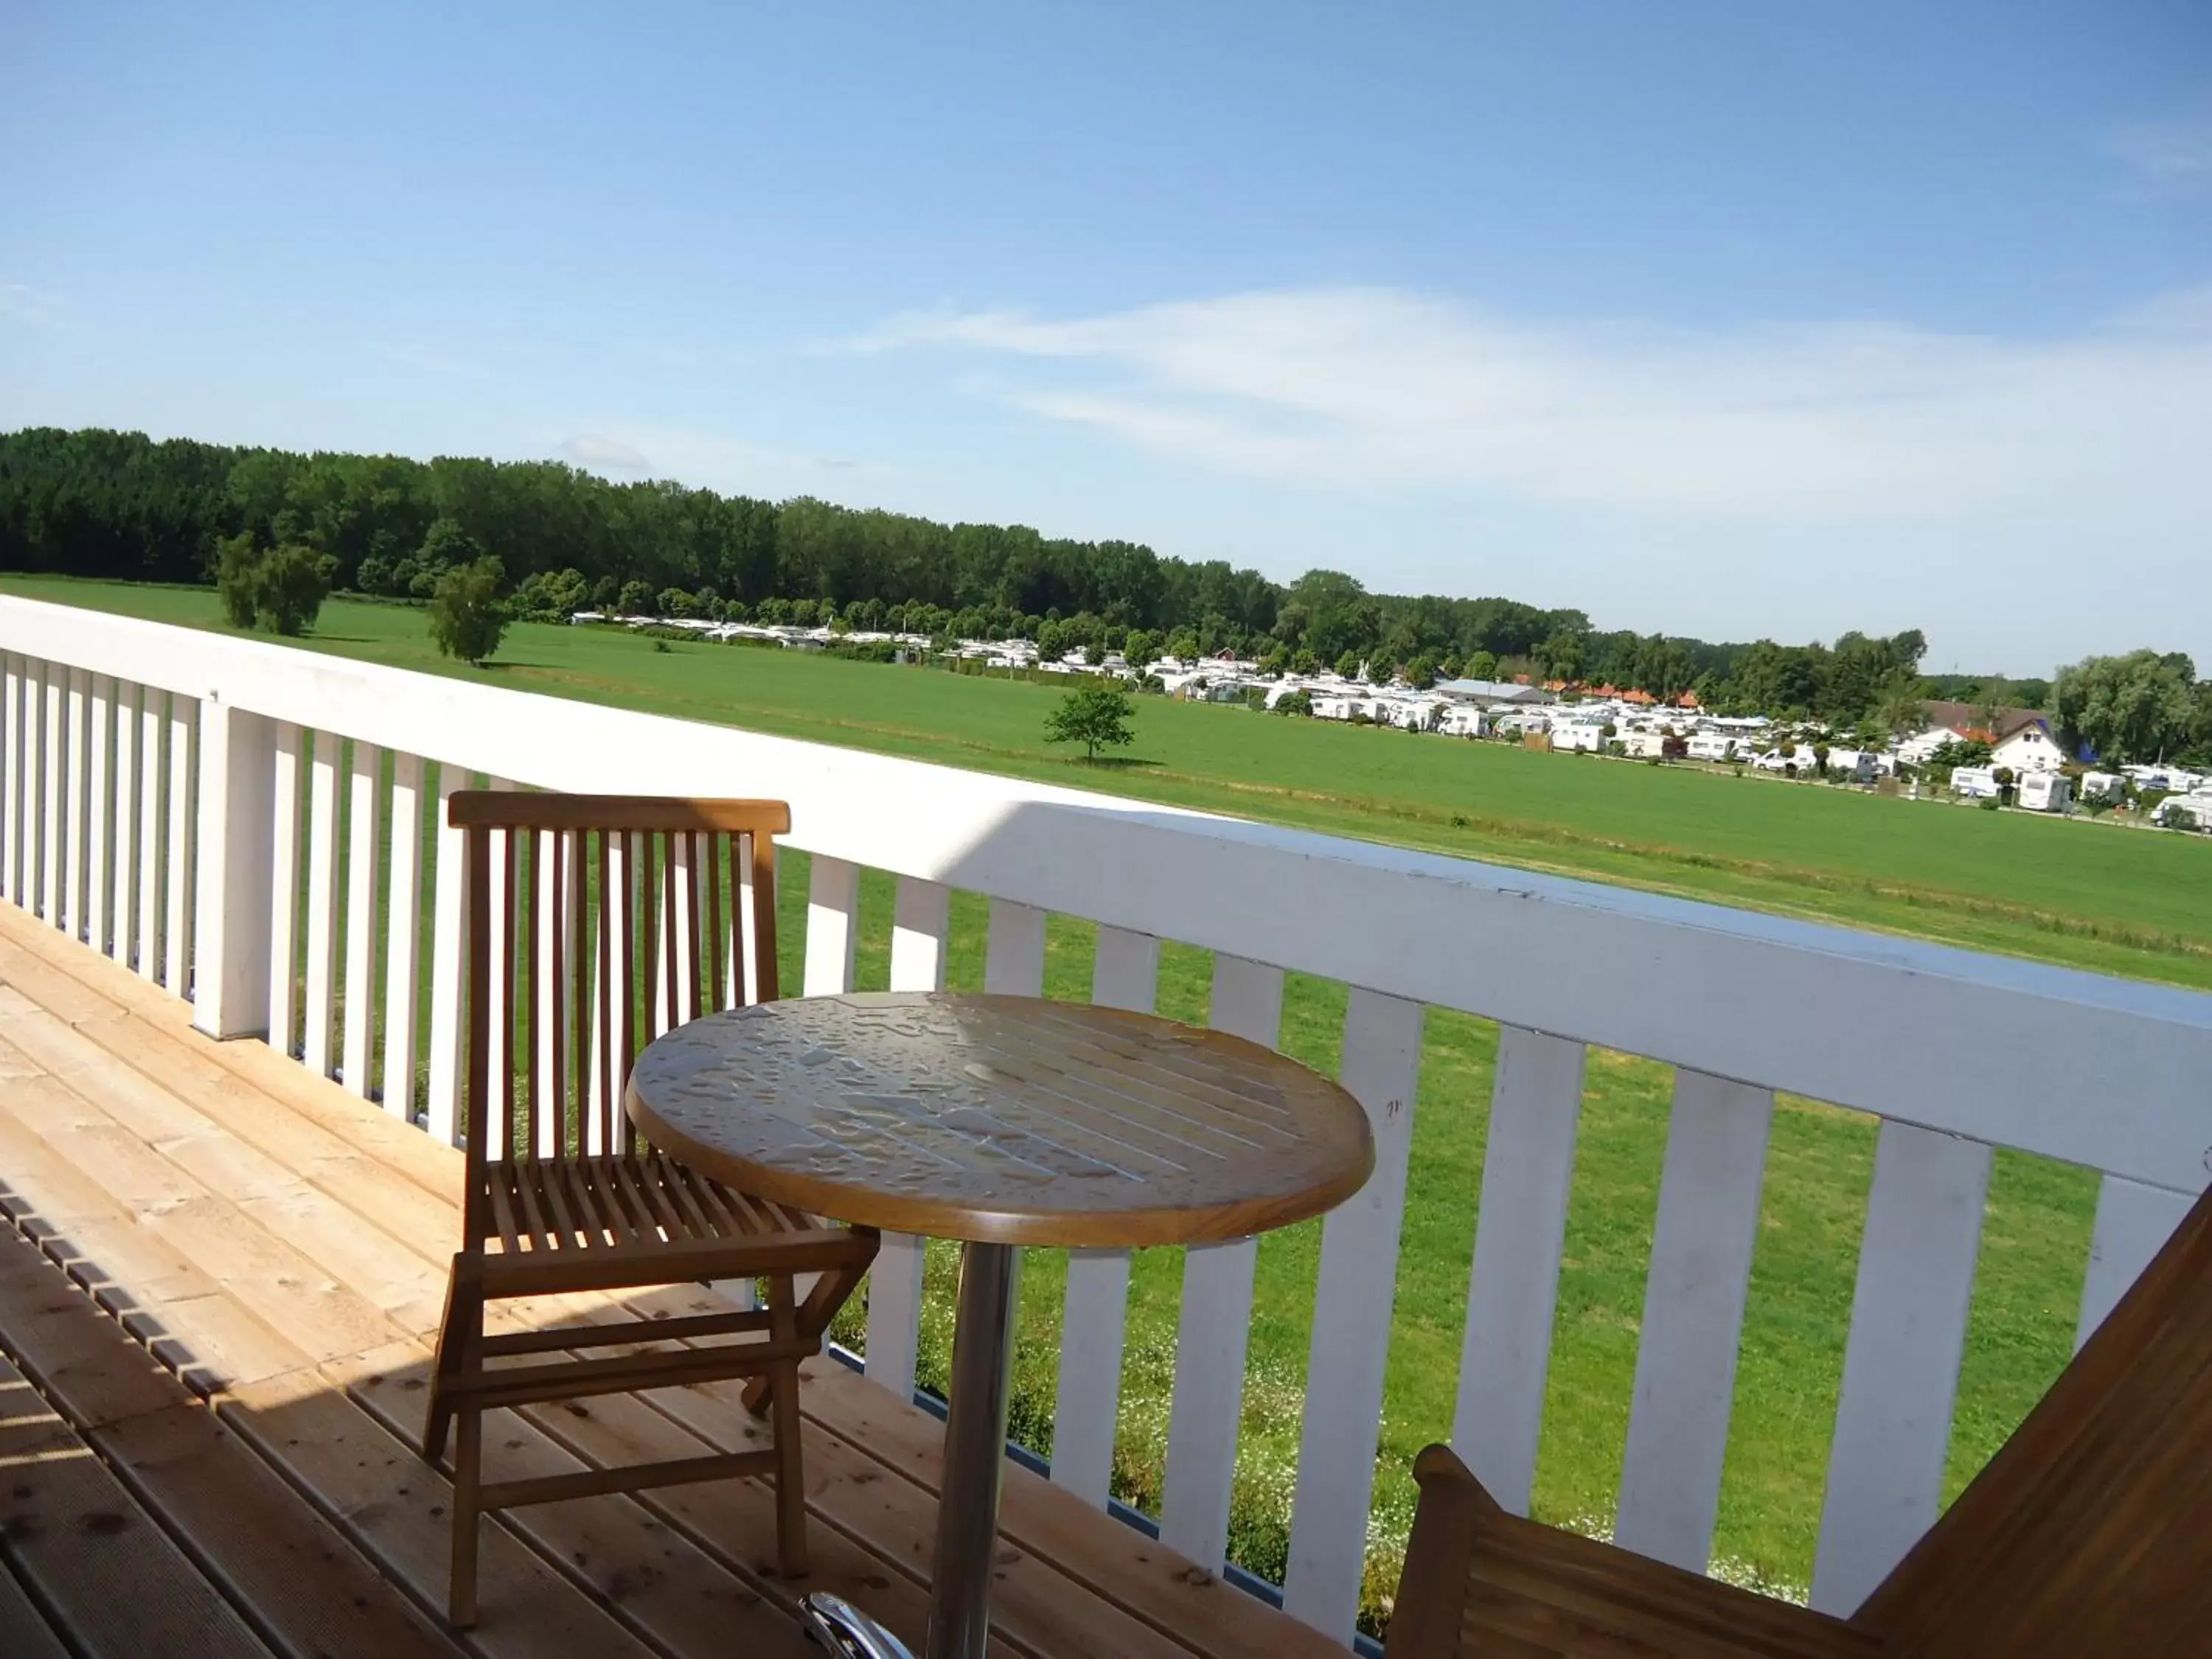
x=2119, y=1077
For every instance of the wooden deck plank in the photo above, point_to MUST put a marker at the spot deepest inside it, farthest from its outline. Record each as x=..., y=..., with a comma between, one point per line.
x=113, y=1580
x=304, y=1587
x=734, y=1520
x=872, y=1534
x=282, y=1284
x=70, y=1348
x=262, y=1545
x=1120, y=1565
x=165, y=1300
x=153, y=1034
x=89, y=989
x=351, y=1248
x=38, y=978
x=23, y=1631
x=394, y=1507
x=1034, y=1604
x=658, y=1580
x=343, y=1165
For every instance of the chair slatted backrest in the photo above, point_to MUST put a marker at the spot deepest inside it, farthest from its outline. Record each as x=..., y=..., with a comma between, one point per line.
x=594, y=923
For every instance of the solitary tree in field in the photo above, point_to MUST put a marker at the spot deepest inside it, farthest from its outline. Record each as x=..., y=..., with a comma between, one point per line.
x=467, y=616
x=1092, y=715
x=279, y=588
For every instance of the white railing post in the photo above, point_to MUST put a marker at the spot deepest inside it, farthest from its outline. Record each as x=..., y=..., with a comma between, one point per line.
x=1916, y=1285
x=1701, y=1248
x=177, y=941
x=230, y=930
x=54, y=773
x=832, y=927
x=99, y=806
x=1095, y=1311
x=441, y=1112
x=318, y=1050
x=74, y=808
x=1513, y=1288
x=1216, y=1323
x=404, y=932
x=284, y=886
x=11, y=775
x=360, y=995
x=127, y=697
x=151, y=721
x=1350, y=1342
x=2133, y=1224
x=920, y=924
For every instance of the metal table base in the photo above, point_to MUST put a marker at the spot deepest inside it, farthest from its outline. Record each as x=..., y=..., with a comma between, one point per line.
x=974, y=1453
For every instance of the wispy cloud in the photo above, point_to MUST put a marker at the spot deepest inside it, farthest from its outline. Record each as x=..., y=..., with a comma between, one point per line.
x=1769, y=425
x=606, y=454
x=428, y=359
x=21, y=303
x=733, y=464
x=2167, y=155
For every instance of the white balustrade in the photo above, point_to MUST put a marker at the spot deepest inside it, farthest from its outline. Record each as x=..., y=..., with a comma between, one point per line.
x=1094, y=1309
x=172, y=797
x=921, y=927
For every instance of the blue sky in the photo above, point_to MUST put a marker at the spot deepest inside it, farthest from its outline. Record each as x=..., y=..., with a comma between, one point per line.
x=1719, y=319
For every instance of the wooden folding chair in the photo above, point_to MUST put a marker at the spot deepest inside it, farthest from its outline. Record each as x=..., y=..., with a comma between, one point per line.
x=595, y=922
x=2089, y=1533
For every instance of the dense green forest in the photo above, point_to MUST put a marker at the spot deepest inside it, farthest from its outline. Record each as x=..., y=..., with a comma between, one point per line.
x=117, y=504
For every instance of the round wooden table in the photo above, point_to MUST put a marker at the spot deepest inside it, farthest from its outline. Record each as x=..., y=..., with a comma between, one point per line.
x=999, y=1122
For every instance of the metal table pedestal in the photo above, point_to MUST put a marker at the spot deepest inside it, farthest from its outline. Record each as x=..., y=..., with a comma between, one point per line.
x=974, y=1453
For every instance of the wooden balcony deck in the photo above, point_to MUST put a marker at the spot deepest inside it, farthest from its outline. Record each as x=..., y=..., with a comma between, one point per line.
x=218, y=1289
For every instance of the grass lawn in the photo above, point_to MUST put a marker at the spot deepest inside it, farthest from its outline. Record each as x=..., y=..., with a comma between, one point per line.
x=2091, y=896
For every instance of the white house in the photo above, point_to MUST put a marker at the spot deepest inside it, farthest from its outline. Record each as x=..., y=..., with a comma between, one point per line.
x=2030, y=748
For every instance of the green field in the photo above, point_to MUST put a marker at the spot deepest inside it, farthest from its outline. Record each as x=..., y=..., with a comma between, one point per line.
x=2093, y=896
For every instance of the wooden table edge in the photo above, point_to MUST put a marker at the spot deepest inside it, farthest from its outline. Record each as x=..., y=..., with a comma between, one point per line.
x=1055, y=1229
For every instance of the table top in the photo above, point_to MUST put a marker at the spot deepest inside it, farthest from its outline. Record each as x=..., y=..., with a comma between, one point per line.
x=1010, y=1120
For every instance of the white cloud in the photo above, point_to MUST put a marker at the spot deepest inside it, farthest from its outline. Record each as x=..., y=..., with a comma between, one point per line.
x=735, y=464
x=604, y=454
x=429, y=359
x=2171, y=155
x=1770, y=426
x=21, y=303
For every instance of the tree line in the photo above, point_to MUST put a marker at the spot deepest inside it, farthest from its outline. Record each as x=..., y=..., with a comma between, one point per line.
x=95, y=502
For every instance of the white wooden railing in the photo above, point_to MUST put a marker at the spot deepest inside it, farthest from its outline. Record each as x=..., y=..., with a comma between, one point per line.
x=148, y=783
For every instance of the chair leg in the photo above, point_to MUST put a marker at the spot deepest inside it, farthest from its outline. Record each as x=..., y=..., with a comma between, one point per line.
x=459, y=1333
x=790, y=1477
x=468, y=1455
